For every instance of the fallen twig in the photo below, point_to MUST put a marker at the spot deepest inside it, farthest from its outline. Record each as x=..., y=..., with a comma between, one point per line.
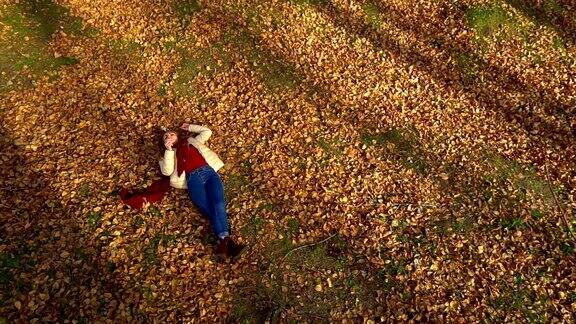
x=308, y=245
x=566, y=223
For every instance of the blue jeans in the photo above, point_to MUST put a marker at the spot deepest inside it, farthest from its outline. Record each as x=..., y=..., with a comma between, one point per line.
x=206, y=191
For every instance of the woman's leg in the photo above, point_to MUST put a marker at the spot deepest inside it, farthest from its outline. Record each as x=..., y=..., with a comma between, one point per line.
x=197, y=194
x=217, y=205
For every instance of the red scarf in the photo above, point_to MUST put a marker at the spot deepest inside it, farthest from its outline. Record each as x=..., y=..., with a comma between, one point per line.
x=155, y=192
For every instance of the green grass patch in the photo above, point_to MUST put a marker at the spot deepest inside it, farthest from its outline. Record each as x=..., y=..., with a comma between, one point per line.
x=372, y=15
x=387, y=276
x=162, y=90
x=65, y=61
x=257, y=303
x=331, y=148
x=293, y=226
x=150, y=252
x=511, y=298
x=268, y=206
x=126, y=51
x=513, y=224
x=467, y=64
x=253, y=226
x=93, y=220
x=518, y=279
x=543, y=14
x=207, y=61
x=23, y=51
x=537, y=214
x=559, y=44
x=138, y=221
x=9, y=261
x=84, y=190
x=275, y=73
x=147, y=293
x=47, y=16
x=327, y=255
x=523, y=178
x=463, y=225
x=567, y=248
x=185, y=8
x=81, y=254
x=517, y=298
x=153, y=211
x=487, y=20
x=311, y=2
x=236, y=184
x=401, y=145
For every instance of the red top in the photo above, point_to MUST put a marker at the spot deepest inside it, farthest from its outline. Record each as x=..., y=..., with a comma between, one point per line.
x=188, y=158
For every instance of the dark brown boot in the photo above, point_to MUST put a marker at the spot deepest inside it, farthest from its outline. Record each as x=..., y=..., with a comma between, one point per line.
x=222, y=248
x=235, y=250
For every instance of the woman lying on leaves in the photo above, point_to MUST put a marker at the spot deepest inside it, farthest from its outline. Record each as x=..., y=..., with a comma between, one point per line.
x=192, y=165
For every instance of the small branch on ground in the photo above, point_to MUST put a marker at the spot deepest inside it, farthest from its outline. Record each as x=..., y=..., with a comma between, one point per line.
x=308, y=245
x=560, y=209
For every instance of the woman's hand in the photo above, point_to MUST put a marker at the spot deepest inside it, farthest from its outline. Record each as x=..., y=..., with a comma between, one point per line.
x=185, y=126
x=169, y=142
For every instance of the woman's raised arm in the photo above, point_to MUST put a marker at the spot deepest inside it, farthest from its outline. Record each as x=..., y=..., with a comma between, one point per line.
x=204, y=133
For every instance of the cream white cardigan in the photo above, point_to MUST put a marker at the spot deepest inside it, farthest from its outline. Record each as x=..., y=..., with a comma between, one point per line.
x=168, y=163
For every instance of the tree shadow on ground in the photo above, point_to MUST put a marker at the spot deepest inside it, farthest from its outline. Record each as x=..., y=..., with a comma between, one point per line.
x=53, y=242
x=47, y=262
x=556, y=15
x=452, y=76
x=55, y=259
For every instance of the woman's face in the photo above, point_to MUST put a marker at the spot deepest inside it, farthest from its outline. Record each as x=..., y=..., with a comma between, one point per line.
x=170, y=137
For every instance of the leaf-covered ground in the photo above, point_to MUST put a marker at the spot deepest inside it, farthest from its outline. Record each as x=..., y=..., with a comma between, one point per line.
x=386, y=160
